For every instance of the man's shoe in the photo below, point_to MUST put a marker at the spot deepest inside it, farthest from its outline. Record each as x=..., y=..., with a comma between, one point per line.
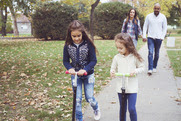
x=97, y=114
x=154, y=70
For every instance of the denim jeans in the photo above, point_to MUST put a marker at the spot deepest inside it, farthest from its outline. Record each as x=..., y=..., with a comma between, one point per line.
x=153, y=48
x=131, y=100
x=88, y=83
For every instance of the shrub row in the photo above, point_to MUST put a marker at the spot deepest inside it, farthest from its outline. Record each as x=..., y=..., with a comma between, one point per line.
x=51, y=20
x=109, y=19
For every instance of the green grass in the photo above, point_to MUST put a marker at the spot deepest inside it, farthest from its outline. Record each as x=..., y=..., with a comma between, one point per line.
x=175, y=56
x=175, y=35
x=174, y=32
x=21, y=35
x=33, y=83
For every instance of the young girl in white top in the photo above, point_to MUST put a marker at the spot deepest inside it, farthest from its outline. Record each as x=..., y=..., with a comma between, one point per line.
x=127, y=61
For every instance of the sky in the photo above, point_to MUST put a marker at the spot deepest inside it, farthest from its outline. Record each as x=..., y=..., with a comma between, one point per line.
x=104, y=1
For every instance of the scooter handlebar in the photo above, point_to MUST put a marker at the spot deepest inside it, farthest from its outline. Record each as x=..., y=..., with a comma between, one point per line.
x=67, y=72
x=123, y=74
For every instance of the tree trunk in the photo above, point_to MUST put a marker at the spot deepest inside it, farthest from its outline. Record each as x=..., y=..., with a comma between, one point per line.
x=179, y=8
x=15, y=29
x=31, y=28
x=91, y=25
x=3, y=20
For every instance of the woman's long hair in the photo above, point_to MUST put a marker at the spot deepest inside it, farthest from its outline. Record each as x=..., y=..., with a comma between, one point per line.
x=125, y=39
x=135, y=16
x=77, y=25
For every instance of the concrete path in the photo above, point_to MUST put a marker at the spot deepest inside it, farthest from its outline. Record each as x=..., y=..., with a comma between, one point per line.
x=174, y=49
x=156, y=96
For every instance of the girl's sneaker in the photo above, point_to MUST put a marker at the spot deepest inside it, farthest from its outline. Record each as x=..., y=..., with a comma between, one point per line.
x=150, y=72
x=97, y=114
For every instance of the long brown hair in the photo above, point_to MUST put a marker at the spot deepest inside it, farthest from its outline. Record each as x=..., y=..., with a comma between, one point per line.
x=125, y=39
x=135, y=16
x=77, y=25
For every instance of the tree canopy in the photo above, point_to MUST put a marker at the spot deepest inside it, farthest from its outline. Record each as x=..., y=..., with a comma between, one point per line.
x=168, y=7
x=146, y=6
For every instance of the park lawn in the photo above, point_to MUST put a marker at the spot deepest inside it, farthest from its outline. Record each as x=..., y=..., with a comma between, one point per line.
x=175, y=56
x=21, y=35
x=33, y=83
x=174, y=32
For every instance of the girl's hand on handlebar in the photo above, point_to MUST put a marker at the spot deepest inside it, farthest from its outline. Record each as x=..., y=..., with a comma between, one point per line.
x=71, y=71
x=81, y=72
x=132, y=74
x=112, y=73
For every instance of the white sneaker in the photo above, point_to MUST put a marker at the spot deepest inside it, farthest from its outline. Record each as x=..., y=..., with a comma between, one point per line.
x=154, y=70
x=150, y=72
x=97, y=114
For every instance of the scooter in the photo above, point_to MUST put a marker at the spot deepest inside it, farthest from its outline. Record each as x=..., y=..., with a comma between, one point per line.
x=74, y=93
x=123, y=89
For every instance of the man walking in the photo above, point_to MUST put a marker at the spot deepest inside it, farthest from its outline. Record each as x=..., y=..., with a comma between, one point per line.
x=155, y=26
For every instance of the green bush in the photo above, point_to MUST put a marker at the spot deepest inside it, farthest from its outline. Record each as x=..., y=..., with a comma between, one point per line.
x=179, y=32
x=85, y=22
x=109, y=18
x=51, y=20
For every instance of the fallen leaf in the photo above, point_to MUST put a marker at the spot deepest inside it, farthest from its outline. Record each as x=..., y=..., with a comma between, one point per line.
x=1, y=74
x=13, y=67
x=23, y=75
x=113, y=102
x=7, y=102
x=51, y=112
x=178, y=100
x=12, y=104
x=27, y=94
x=45, y=74
x=37, y=69
x=5, y=73
x=31, y=102
x=49, y=84
x=55, y=119
x=69, y=89
x=100, y=69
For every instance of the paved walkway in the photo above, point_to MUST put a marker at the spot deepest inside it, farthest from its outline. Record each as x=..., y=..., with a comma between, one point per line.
x=174, y=49
x=156, y=96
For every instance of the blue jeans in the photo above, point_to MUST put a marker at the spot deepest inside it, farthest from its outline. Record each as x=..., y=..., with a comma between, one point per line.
x=153, y=48
x=88, y=83
x=131, y=100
